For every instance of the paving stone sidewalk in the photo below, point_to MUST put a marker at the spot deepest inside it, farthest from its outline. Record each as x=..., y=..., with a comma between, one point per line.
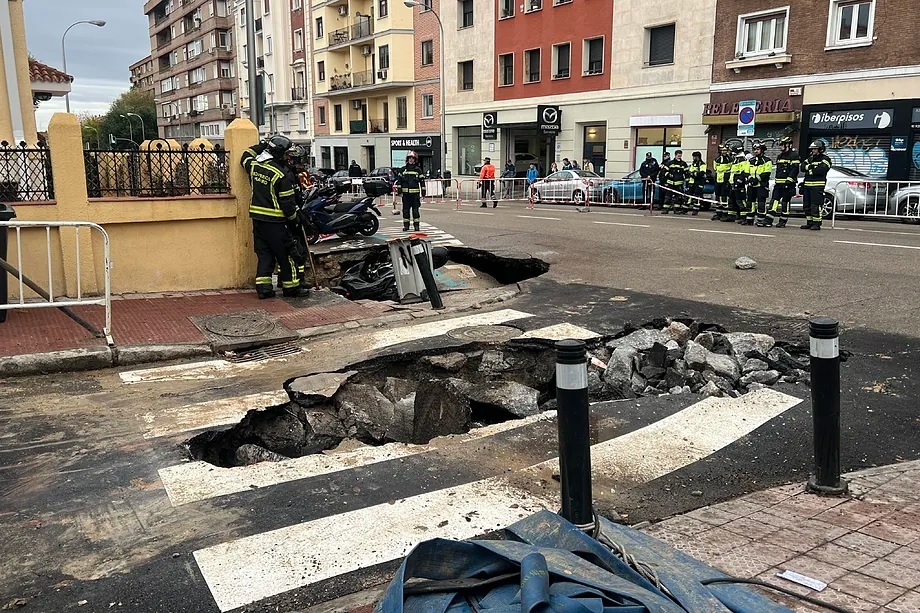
x=865, y=546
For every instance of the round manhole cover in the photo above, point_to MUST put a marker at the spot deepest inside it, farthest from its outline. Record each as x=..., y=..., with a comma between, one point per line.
x=485, y=334
x=239, y=325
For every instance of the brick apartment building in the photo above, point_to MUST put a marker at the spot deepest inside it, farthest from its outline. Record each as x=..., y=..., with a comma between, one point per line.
x=144, y=75
x=843, y=71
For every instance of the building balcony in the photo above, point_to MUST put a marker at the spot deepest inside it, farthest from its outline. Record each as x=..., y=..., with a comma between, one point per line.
x=379, y=126
x=355, y=32
x=298, y=93
x=366, y=81
x=357, y=126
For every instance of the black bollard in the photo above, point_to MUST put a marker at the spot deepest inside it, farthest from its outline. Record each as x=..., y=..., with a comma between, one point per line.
x=825, y=406
x=424, y=267
x=574, y=442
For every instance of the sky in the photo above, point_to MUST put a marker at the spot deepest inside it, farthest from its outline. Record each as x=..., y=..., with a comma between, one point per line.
x=98, y=58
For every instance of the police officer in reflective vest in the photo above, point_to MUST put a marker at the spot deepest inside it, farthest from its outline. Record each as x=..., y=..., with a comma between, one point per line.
x=696, y=181
x=410, y=186
x=676, y=174
x=272, y=209
x=723, y=168
x=815, y=169
x=787, y=172
x=760, y=169
x=738, y=178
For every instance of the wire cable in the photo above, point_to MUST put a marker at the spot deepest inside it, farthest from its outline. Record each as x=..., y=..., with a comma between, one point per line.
x=770, y=586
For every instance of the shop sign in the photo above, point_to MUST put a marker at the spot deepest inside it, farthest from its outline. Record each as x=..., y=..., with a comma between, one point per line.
x=549, y=120
x=412, y=142
x=899, y=143
x=779, y=105
x=863, y=119
x=490, y=126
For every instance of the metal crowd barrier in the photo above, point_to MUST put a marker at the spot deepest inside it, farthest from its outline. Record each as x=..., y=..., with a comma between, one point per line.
x=883, y=200
x=15, y=228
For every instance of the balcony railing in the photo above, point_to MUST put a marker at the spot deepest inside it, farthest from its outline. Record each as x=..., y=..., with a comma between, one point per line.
x=340, y=81
x=337, y=37
x=379, y=126
x=159, y=18
x=357, y=126
x=298, y=93
x=360, y=79
x=362, y=29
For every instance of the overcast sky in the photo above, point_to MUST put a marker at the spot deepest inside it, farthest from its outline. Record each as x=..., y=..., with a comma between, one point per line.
x=98, y=58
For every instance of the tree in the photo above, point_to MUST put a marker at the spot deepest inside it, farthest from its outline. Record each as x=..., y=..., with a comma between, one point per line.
x=92, y=129
x=132, y=101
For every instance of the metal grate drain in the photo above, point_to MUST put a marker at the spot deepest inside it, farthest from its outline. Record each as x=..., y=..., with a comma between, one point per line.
x=262, y=353
x=485, y=334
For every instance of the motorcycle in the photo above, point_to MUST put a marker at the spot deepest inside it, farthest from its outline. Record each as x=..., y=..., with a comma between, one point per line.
x=321, y=211
x=374, y=278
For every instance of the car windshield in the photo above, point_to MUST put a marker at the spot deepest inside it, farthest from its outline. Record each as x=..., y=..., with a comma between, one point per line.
x=849, y=172
x=586, y=173
x=633, y=175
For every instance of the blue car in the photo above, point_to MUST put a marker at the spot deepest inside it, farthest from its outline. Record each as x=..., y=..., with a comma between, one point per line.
x=631, y=189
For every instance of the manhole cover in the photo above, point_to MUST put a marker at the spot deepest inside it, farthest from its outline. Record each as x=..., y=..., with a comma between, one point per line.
x=485, y=334
x=239, y=325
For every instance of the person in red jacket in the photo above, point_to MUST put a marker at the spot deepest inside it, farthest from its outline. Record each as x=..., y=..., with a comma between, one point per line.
x=487, y=183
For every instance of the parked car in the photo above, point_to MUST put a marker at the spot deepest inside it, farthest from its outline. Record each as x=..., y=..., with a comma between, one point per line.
x=905, y=203
x=631, y=189
x=850, y=191
x=569, y=186
x=522, y=162
x=341, y=179
x=384, y=173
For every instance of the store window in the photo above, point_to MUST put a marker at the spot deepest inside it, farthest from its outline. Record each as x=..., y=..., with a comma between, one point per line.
x=656, y=141
x=469, y=149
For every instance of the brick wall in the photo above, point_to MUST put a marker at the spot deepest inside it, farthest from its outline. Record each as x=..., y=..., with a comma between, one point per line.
x=807, y=35
x=319, y=130
x=426, y=28
x=297, y=23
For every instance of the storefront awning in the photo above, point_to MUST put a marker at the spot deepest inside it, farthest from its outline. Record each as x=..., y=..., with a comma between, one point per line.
x=726, y=120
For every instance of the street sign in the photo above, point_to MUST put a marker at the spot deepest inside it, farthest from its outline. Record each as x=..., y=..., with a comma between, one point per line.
x=549, y=120
x=490, y=126
x=747, y=112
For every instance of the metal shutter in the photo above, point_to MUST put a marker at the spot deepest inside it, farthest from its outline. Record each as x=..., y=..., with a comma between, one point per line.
x=865, y=154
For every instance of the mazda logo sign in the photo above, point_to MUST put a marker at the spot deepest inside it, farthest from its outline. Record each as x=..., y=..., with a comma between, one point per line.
x=488, y=120
x=428, y=142
x=550, y=115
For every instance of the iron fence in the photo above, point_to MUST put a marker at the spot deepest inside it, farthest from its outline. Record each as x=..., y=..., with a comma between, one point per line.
x=25, y=172
x=158, y=172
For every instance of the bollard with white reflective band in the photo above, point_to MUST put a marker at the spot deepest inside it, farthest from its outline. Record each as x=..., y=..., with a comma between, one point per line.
x=574, y=441
x=825, y=406
x=424, y=268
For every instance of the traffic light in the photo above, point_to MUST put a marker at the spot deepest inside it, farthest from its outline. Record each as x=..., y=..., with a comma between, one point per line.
x=112, y=140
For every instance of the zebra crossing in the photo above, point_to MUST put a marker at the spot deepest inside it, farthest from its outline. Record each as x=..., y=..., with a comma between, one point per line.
x=436, y=236
x=362, y=507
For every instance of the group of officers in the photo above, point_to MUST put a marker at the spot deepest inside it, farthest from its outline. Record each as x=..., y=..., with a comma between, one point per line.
x=742, y=183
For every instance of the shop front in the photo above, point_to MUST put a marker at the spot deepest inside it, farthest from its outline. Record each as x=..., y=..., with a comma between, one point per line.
x=426, y=147
x=656, y=134
x=778, y=113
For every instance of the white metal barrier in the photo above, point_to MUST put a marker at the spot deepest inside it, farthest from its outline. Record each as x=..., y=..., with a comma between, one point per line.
x=885, y=200
x=14, y=232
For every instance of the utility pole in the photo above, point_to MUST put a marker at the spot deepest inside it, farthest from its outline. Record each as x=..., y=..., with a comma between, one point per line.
x=256, y=111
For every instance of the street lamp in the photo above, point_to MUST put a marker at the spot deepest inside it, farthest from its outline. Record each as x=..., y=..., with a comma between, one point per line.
x=143, y=131
x=130, y=127
x=96, y=22
x=411, y=4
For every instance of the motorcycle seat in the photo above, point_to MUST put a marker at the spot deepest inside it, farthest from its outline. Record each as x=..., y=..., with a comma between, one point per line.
x=340, y=207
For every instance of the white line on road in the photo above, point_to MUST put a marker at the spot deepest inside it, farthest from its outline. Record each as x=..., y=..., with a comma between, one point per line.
x=877, y=245
x=917, y=234
x=614, y=223
x=208, y=414
x=475, y=213
x=538, y=217
x=196, y=371
x=394, y=336
x=726, y=232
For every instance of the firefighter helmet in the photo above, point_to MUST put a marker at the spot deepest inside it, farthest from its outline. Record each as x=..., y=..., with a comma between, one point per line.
x=278, y=145
x=758, y=145
x=697, y=154
x=412, y=155
x=818, y=144
x=738, y=150
x=786, y=140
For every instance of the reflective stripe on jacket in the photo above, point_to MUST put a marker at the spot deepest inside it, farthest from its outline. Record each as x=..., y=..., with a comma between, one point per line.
x=723, y=168
x=761, y=167
x=815, y=168
x=272, y=188
x=787, y=167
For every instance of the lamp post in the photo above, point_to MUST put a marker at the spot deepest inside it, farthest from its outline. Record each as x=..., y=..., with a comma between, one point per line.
x=143, y=130
x=96, y=22
x=443, y=152
x=130, y=127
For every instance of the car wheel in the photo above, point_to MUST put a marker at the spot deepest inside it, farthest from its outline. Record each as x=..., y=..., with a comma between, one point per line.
x=909, y=210
x=537, y=198
x=827, y=209
x=578, y=197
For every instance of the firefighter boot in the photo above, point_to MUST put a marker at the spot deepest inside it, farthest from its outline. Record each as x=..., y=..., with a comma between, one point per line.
x=781, y=223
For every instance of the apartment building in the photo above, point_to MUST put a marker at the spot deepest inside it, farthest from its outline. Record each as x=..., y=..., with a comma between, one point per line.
x=543, y=80
x=281, y=36
x=367, y=102
x=192, y=48
x=144, y=76
x=837, y=70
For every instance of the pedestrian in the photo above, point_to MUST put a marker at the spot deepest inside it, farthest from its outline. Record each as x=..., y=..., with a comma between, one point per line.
x=507, y=182
x=487, y=183
x=273, y=210
x=815, y=168
x=354, y=170
x=738, y=176
x=554, y=167
x=761, y=167
x=566, y=164
x=676, y=176
x=409, y=180
x=587, y=165
x=723, y=167
x=787, y=174
x=532, y=174
x=696, y=181
x=648, y=171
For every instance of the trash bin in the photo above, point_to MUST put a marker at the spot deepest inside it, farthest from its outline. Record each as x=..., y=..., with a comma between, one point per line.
x=6, y=214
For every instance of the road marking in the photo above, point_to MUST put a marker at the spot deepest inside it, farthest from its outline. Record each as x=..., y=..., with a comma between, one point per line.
x=560, y=332
x=616, y=213
x=614, y=223
x=207, y=414
x=195, y=481
x=395, y=336
x=475, y=213
x=877, y=245
x=538, y=217
x=195, y=371
x=726, y=232
x=879, y=231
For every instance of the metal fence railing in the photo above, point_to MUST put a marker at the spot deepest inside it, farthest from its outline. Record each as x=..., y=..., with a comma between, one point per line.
x=876, y=199
x=157, y=172
x=25, y=173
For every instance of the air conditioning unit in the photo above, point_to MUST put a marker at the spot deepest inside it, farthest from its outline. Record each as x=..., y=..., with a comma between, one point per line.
x=194, y=113
x=382, y=75
x=343, y=10
x=356, y=105
x=366, y=49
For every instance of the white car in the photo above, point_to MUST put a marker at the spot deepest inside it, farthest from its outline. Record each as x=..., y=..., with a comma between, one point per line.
x=569, y=186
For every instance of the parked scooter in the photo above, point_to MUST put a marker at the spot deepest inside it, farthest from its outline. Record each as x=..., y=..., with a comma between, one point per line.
x=374, y=279
x=323, y=212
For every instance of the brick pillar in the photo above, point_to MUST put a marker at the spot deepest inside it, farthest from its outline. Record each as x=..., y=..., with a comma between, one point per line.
x=240, y=135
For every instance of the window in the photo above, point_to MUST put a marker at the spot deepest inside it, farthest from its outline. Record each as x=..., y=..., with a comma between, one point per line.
x=321, y=71
x=383, y=57
x=337, y=117
x=660, y=45
x=296, y=4
x=469, y=149
x=533, y=5
x=506, y=69
x=762, y=33
x=193, y=49
x=465, y=75
x=851, y=22
x=558, y=2
x=319, y=27
x=532, y=66
x=427, y=106
x=223, y=39
x=225, y=70
x=221, y=8
x=402, y=113
x=383, y=8
x=197, y=76
x=302, y=121
x=267, y=6
x=427, y=52
x=268, y=45
x=466, y=14
x=562, y=60
x=298, y=40
x=321, y=115
x=507, y=8
x=426, y=5
x=593, y=56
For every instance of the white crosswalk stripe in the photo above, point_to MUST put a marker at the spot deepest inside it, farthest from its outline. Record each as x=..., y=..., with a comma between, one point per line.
x=436, y=236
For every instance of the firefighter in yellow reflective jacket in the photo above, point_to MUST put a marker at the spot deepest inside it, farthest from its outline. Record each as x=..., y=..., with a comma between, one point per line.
x=738, y=177
x=723, y=169
x=272, y=209
x=760, y=169
x=787, y=173
x=410, y=185
x=696, y=181
x=815, y=169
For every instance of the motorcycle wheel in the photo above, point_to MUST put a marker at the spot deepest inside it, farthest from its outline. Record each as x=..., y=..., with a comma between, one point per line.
x=368, y=224
x=348, y=232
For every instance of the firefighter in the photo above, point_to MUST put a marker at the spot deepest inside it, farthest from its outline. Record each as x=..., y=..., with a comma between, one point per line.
x=674, y=180
x=738, y=178
x=815, y=168
x=696, y=181
x=723, y=168
x=410, y=185
x=295, y=158
x=273, y=210
x=761, y=167
x=787, y=173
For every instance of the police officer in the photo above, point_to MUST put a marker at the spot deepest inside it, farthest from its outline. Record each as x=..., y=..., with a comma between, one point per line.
x=815, y=169
x=272, y=209
x=696, y=181
x=674, y=181
x=787, y=172
x=648, y=171
x=723, y=168
x=760, y=169
x=738, y=177
x=410, y=185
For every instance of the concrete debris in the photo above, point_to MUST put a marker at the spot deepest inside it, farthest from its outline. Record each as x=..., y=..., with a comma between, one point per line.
x=451, y=362
x=765, y=377
x=620, y=367
x=365, y=411
x=678, y=332
x=640, y=339
x=441, y=407
x=513, y=398
x=316, y=389
x=753, y=364
x=749, y=345
x=493, y=363
x=253, y=454
x=745, y=263
x=710, y=389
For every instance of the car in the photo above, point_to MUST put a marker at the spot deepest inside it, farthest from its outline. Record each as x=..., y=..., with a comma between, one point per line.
x=522, y=162
x=849, y=191
x=384, y=173
x=631, y=188
x=568, y=186
x=905, y=203
x=341, y=179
